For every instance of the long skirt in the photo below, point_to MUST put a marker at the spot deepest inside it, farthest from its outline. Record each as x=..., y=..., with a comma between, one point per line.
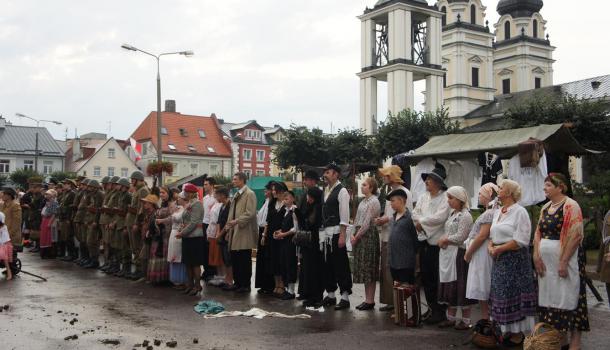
x=479, y=274
x=288, y=261
x=454, y=293
x=366, y=257
x=6, y=251
x=178, y=273
x=46, y=236
x=193, y=250
x=158, y=267
x=513, y=297
x=264, y=270
x=313, y=275
x=214, y=253
x=386, y=282
x=570, y=320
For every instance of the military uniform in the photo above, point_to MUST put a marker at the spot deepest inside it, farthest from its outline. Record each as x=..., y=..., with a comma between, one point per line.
x=105, y=220
x=120, y=239
x=134, y=220
x=66, y=231
x=82, y=202
x=92, y=221
x=35, y=217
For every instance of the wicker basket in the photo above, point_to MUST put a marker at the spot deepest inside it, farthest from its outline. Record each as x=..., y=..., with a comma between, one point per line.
x=543, y=337
x=483, y=335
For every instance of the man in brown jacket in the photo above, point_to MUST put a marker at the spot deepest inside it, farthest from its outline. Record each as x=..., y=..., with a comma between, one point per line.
x=12, y=212
x=243, y=233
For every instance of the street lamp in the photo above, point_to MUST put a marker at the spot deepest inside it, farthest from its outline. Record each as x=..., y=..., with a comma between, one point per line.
x=38, y=121
x=187, y=53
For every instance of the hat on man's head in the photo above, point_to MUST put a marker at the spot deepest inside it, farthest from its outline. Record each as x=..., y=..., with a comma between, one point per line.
x=312, y=175
x=333, y=166
x=269, y=185
x=53, y=181
x=10, y=191
x=280, y=186
x=93, y=183
x=439, y=174
x=69, y=182
x=394, y=172
x=398, y=193
x=152, y=199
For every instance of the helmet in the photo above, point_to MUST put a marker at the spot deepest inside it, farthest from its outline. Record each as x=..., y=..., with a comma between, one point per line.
x=85, y=182
x=114, y=179
x=94, y=183
x=137, y=175
x=124, y=182
x=105, y=179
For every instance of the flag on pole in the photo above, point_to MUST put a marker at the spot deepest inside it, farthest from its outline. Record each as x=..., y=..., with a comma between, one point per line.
x=137, y=149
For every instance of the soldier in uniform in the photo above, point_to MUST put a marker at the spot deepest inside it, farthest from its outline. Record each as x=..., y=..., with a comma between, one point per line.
x=134, y=220
x=104, y=220
x=66, y=230
x=92, y=221
x=110, y=251
x=35, y=214
x=80, y=232
x=120, y=240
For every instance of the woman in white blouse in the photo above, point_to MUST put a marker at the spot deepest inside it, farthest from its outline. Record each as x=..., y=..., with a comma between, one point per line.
x=513, y=295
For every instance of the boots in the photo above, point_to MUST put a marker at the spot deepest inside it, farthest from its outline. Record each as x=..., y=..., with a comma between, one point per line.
x=125, y=270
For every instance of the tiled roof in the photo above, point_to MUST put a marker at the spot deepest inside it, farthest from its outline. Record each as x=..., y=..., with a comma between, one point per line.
x=88, y=150
x=231, y=130
x=190, y=124
x=21, y=140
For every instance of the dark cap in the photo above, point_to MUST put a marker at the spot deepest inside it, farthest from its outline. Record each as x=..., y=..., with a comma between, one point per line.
x=439, y=174
x=280, y=186
x=333, y=166
x=398, y=193
x=312, y=175
x=269, y=185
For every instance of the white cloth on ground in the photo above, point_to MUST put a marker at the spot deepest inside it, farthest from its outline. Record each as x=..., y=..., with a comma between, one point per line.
x=256, y=313
x=530, y=179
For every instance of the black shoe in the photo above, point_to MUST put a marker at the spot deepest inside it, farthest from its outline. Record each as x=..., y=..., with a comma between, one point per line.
x=120, y=273
x=436, y=318
x=329, y=301
x=310, y=303
x=302, y=297
x=343, y=304
x=287, y=296
x=243, y=290
x=366, y=306
x=264, y=291
x=230, y=288
x=84, y=262
x=92, y=265
x=386, y=308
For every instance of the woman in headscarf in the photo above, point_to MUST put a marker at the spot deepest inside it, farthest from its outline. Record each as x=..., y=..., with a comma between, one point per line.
x=177, y=270
x=560, y=262
x=480, y=263
x=49, y=211
x=453, y=270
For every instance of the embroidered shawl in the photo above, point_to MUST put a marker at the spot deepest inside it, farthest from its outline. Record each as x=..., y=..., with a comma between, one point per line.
x=572, y=227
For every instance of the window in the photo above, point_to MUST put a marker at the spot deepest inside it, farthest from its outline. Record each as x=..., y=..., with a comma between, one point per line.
x=214, y=169
x=445, y=80
x=144, y=149
x=201, y=133
x=163, y=131
x=252, y=134
x=28, y=165
x=444, y=18
x=110, y=171
x=124, y=172
x=211, y=149
x=176, y=169
x=473, y=14
x=97, y=171
x=171, y=146
x=260, y=173
x=535, y=28
x=183, y=132
x=247, y=154
x=191, y=148
x=248, y=172
x=111, y=153
x=260, y=155
x=537, y=83
x=475, y=77
x=506, y=86
x=47, y=167
x=506, y=30
x=5, y=166
x=194, y=168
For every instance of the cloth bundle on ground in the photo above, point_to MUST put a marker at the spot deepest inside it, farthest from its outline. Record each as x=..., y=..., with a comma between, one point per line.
x=209, y=307
x=256, y=313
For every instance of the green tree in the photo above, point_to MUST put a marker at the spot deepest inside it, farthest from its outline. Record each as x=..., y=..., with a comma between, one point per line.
x=352, y=146
x=20, y=177
x=409, y=130
x=62, y=175
x=302, y=146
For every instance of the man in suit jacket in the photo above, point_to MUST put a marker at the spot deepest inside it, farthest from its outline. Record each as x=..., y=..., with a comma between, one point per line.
x=243, y=233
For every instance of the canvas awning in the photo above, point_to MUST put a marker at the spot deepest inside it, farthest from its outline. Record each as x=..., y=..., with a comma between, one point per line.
x=557, y=139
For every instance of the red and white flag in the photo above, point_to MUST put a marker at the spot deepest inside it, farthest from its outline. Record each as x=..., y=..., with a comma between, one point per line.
x=137, y=149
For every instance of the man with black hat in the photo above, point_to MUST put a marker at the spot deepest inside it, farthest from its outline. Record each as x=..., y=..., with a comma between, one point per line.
x=335, y=219
x=92, y=221
x=12, y=218
x=310, y=180
x=66, y=231
x=430, y=214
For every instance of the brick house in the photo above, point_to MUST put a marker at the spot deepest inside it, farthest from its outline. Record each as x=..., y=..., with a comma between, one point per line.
x=250, y=147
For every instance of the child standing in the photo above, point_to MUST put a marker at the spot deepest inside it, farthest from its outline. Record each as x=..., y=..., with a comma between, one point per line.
x=6, y=248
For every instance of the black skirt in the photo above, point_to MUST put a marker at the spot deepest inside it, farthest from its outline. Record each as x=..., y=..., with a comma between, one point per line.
x=193, y=250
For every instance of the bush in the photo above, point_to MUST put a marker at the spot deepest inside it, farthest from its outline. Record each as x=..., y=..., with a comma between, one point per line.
x=62, y=175
x=20, y=177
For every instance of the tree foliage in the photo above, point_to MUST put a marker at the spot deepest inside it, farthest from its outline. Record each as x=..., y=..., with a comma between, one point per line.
x=20, y=177
x=62, y=175
x=409, y=130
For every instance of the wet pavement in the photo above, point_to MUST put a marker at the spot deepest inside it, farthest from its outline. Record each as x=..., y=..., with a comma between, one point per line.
x=85, y=309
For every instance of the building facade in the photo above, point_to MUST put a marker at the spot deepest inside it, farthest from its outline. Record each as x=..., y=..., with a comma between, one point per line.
x=251, y=148
x=95, y=156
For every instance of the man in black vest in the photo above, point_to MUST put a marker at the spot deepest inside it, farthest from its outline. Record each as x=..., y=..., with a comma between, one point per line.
x=335, y=219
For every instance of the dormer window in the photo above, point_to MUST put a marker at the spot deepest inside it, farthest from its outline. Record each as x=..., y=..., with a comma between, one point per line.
x=201, y=133
x=171, y=146
x=191, y=148
x=183, y=132
x=163, y=131
x=252, y=134
x=211, y=149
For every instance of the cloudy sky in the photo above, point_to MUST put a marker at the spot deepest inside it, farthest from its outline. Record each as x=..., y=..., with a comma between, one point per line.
x=279, y=62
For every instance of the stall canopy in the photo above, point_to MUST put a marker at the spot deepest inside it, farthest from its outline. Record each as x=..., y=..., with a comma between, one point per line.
x=257, y=184
x=557, y=138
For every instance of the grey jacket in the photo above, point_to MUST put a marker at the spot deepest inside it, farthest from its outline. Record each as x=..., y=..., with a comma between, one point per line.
x=402, y=244
x=192, y=217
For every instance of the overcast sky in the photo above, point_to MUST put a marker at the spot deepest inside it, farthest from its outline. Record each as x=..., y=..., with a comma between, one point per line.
x=279, y=62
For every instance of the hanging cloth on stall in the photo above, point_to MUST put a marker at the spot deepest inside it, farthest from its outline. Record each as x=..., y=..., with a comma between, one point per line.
x=492, y=167
x=531, y=179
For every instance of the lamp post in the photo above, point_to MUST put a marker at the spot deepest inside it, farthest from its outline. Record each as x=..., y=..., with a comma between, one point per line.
x=38, y=121
x=187, y=53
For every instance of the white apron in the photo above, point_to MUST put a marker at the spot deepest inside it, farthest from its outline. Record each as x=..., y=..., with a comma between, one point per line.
x=447, y=269
x=478, y=283
x=554, y=291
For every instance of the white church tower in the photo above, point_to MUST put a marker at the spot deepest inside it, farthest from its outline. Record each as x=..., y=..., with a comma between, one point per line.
x=523, y=56
x=401, y=43
x=468, y=56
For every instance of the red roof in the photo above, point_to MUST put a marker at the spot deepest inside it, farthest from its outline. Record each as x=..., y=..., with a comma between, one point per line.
x=184, y=131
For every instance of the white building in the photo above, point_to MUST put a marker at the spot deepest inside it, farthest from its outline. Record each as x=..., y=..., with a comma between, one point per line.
x=94, y=156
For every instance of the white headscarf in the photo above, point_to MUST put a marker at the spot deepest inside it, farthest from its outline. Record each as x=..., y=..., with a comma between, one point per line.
x=460, y=193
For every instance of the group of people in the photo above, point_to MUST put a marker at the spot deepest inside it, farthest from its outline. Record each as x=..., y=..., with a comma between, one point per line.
x=173, y=236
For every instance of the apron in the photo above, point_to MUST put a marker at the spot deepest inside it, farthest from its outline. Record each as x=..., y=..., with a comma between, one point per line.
x=447, y=264
x=554, y=291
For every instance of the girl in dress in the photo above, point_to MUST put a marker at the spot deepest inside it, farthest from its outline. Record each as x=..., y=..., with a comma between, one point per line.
x=288, y=251
x=6, y=248
x=480, y=263
x=453, y=270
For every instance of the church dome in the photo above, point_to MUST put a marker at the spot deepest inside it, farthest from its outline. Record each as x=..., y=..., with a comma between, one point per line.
x=519, y=8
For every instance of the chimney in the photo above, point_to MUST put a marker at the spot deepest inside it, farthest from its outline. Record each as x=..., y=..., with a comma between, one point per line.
x=170, y=106
x=76, y=151
x=2, y=122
